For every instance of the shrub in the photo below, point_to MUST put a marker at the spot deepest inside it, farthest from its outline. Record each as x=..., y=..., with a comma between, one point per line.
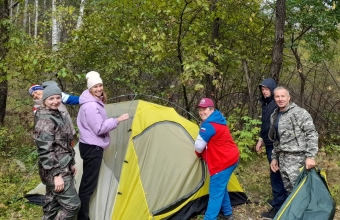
x=245, y=131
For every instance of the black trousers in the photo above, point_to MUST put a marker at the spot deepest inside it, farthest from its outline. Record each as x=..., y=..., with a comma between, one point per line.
x=279, y=192
x=92, y=158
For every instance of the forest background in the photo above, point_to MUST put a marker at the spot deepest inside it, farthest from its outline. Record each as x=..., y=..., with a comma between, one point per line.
x=172, y=53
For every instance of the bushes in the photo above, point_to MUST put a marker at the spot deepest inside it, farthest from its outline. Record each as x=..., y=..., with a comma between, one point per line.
x=15, y=182
x=18, y=171
x=245, y=132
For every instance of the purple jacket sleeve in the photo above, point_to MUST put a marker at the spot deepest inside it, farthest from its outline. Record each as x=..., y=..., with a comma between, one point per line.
x=98, y=124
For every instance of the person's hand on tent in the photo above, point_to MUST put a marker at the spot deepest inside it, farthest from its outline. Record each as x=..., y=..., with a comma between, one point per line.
x=274, y=165
x=310, y=163
x=123, y=117
x=58, y=183
x=74, y=170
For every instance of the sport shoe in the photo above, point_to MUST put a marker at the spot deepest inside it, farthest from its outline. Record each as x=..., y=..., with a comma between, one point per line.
x=225, y=217
x=269, y=215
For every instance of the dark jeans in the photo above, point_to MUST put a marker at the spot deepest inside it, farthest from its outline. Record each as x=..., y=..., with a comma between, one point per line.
x=279, y=192
x=92, y=158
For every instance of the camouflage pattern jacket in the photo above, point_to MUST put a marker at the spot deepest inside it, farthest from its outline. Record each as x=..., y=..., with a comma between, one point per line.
x=53, y=136
x=62, y=108
x=297, y=133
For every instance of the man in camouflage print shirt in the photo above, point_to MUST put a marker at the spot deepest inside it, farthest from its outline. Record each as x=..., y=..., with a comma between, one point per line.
x=295, y=138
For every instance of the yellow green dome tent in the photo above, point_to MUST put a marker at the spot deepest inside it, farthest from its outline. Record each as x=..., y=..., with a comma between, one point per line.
x=150, y=170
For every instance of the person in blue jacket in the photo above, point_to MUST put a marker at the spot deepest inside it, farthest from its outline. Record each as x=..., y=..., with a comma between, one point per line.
x=267, y=87
x=36, y=92
x=216, y=146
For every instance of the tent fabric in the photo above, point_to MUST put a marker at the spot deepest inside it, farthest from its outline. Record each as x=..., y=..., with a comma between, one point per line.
x=150, y=170
x=309, y=200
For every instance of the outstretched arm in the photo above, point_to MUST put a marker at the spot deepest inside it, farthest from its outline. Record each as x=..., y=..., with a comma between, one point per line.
x=69, y=99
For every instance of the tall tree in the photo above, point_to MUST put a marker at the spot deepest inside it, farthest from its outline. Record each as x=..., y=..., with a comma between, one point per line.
x=36, y=7
x=25, y=15
x=55, y=27
x=4, y=38
x=81, y=14
x=11, y=10
x=277, y=57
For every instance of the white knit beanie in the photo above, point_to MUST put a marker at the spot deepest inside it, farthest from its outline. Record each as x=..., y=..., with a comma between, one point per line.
x=93, y=78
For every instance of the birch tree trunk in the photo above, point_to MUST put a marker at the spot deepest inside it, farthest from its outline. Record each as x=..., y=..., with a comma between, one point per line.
x=55, y=27
x=81, y=13
x=11, y=10
x=29, y=25
x=17, y=13
x=44, y=19
x=25, y=15
x=36, y=19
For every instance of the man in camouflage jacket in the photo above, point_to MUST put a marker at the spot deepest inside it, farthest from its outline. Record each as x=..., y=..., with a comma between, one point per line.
x=295, y=138
x=53, y=136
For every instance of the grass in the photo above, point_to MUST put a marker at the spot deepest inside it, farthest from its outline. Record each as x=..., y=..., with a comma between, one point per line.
x=253, y=176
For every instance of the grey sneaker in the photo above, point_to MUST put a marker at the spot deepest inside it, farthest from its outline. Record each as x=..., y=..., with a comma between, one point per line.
x=270, y=214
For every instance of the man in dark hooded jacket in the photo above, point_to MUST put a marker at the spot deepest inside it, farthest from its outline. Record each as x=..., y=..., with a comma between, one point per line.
x=267, y=87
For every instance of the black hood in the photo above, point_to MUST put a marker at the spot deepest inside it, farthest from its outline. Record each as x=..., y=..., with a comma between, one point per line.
x=271, y=84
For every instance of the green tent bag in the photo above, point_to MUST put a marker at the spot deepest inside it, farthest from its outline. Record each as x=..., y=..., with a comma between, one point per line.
x=310, y=198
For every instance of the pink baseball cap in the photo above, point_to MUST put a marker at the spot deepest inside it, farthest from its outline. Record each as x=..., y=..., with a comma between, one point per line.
x=205, y=102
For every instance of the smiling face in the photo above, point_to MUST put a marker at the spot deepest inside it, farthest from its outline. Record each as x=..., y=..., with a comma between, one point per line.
x=97, y=90
x=37, y=94
x=265, y=91
x=53, y=102
x=205, y=112
x=282, y=98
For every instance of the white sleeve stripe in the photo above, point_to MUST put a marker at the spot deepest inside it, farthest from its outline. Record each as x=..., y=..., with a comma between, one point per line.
x=64, y=97
x=200, y=144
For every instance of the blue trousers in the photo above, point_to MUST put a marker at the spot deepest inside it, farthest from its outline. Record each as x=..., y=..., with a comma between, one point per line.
x=218, y=194
x=279, y=192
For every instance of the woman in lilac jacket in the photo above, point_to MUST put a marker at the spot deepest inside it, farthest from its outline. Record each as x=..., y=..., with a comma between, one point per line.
x=94, y=137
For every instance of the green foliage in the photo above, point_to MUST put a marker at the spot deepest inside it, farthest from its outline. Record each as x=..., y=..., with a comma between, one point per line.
x=13, y=143
x=332, y=149
x=245, y=131
x=15, y=184
x=18, y=165
x=314, y=24
x=5, y=139
x=18, y=170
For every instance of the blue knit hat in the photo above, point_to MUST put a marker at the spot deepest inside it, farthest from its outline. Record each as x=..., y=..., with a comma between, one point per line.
x=34, y=88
